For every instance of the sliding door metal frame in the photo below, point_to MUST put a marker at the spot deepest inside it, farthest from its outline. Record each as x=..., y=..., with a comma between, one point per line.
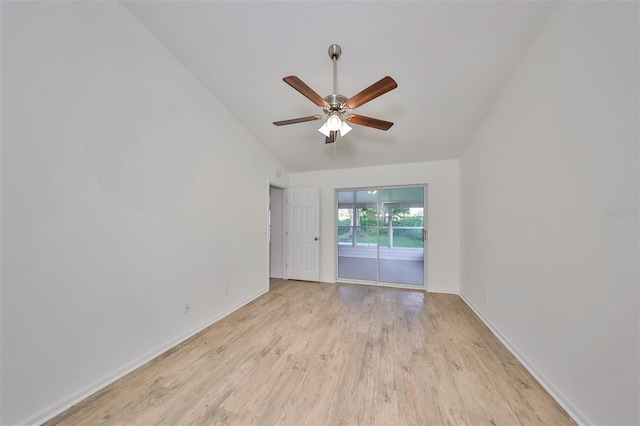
x=424, y=186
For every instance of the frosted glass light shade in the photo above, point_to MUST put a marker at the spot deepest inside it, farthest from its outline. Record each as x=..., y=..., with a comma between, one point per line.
x=325, y=130
x=334, y=122
x=344, y=129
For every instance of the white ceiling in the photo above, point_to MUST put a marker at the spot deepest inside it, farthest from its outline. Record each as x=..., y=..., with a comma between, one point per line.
x=450, y=60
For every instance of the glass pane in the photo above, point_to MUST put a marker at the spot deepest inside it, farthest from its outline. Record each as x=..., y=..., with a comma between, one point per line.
x=345, y=226
x=358, y=235
x=407, y=237
x=401, y=254
x=367, y=235
x=384, y=236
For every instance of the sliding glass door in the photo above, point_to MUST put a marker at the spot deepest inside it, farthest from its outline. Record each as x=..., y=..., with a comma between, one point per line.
x=381, y=234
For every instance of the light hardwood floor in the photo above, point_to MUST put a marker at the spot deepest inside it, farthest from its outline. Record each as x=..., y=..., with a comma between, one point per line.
x=331, y=354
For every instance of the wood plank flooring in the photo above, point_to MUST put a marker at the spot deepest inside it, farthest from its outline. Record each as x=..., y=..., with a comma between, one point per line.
x=331, y=354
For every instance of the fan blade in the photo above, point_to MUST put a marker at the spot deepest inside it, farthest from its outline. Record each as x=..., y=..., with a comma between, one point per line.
x=376, y=89
x=370, y=122
x=297, y=120
x=332, y=138
x=306, y=91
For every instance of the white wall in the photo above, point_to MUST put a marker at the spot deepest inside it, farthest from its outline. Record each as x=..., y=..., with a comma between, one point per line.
x=120, y=176
x=540, y=180
x=443, y=204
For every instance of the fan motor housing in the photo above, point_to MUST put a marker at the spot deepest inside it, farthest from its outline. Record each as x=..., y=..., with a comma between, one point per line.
x=336, y=102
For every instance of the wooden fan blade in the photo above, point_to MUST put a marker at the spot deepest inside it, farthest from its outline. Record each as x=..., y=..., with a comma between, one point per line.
x=306, y=91
x=331, y=138
x=297, y=120
x=376, y=89
x=370, y=122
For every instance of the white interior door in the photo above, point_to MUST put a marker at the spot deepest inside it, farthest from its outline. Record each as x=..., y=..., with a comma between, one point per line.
x=303, y=234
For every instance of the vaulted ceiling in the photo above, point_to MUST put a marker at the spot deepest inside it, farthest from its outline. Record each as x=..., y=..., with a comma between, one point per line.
x=451, y=59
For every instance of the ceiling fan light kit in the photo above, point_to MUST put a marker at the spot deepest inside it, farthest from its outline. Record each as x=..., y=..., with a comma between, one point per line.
x=336, y=106
x=334, y=123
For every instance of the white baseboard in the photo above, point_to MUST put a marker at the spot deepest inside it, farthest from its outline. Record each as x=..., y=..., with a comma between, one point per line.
x=574, y=412
x=442, y=290
x=66, y=403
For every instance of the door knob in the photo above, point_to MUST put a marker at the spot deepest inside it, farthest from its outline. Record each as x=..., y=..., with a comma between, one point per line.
x=316, y=238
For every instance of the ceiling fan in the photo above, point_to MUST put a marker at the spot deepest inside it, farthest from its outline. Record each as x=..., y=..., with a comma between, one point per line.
x=336, y=107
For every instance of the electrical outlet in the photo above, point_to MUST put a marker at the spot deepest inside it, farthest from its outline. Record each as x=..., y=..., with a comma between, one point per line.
x=226, y=290
x=187, y=308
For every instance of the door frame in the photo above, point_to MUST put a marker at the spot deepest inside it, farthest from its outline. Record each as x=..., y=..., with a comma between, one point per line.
x=280, y=219
x=425, y=277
